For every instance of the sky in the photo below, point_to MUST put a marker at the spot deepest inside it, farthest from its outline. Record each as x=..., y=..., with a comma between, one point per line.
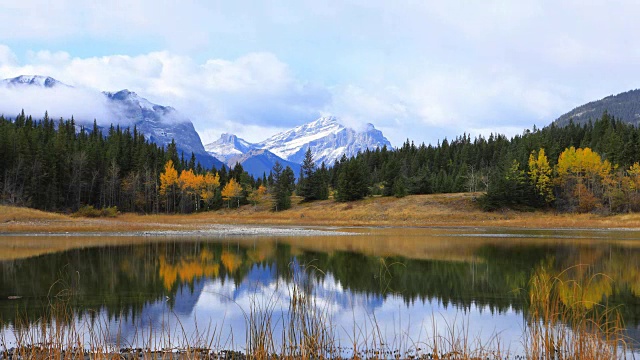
x=419, y=70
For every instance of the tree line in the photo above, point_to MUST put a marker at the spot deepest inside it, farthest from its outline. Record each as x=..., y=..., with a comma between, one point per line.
x=586, y=167
x=62, y=166
x=58, y=165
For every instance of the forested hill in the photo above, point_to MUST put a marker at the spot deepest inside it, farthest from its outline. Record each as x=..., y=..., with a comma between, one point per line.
x=624, y=106
x=583, y=167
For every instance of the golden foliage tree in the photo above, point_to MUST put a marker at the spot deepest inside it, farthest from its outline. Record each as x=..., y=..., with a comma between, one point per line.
x=169, y=182
x=541, y=174
x=232, y=190
x=189, y=183
x=210, y=182
x=583, y=174
x=634, y=176
x=259, y=195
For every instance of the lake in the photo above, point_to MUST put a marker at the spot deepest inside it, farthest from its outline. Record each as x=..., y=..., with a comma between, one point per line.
x=395, y=288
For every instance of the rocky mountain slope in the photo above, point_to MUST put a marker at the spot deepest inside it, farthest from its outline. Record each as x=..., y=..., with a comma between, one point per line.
x=624, y=106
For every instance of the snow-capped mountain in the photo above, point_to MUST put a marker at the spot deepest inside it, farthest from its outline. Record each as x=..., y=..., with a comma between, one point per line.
x=228, y=146
x=159, y=124
x=327, y=138
x=42, y=81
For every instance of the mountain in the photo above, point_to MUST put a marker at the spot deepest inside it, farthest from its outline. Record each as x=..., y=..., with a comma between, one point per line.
x=159, y=124
x=327, y=138
x=624, y=106
x=257, y=162
x=228, y=146
x=37, y=80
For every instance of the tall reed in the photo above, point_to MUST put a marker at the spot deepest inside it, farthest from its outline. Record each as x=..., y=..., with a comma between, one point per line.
x=563, y=323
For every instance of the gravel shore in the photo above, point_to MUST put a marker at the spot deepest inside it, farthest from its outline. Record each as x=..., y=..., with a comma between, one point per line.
x=209, y=231
x=247, y=230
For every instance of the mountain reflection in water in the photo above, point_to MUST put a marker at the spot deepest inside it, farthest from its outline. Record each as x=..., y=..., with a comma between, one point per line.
x=399, y=282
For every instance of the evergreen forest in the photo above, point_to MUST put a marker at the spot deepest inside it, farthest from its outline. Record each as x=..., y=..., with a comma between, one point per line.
x=58, y=165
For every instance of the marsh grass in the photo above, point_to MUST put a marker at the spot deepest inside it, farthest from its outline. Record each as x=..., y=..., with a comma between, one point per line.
x=564, y=323
x=561, y=324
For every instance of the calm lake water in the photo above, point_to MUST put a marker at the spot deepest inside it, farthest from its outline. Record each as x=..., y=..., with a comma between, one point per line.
x=403, y=285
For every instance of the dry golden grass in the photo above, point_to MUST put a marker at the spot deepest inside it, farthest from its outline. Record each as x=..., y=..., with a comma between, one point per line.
x=417, y=210
x=12, y=213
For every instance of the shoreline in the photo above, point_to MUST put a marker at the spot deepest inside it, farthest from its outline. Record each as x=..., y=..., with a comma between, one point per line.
x=415, y=211
x=216, y=230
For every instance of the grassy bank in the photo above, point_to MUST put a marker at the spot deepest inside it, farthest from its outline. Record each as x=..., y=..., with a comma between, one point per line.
x=417, y=210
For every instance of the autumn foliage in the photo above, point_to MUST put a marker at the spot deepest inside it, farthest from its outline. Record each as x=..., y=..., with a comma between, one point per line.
x=581, y=181
x=195, y=190
x=232, y=191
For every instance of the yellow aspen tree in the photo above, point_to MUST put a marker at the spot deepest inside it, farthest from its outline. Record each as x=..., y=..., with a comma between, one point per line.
x=258, y=195
x=632, y=181
x=187, y=182
x=198, y=184
x=634, y=176
x=168, y=182
x=540, y=174
x=583, y=175
x=566, y=164
x=232, y=190
x=210, y=182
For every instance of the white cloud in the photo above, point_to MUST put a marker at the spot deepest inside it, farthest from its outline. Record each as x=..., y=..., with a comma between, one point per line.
x=414, y=69
x=7, y=57
x=257, y=94
x=62, y=103
x=255, y=91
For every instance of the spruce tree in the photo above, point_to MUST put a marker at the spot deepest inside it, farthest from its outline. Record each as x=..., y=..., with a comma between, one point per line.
x=307, y=184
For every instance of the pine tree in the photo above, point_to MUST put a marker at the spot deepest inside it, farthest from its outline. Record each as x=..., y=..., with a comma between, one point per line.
x=352, y=182
x=307, y=183
x=283, y=183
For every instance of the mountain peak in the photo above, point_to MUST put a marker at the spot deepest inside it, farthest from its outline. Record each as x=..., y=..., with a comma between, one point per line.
x=327, y=139
x=33, y=80
x=124, y=94
x=228, y=138
x=129, y=96
x=330, y=119
x=228, y=146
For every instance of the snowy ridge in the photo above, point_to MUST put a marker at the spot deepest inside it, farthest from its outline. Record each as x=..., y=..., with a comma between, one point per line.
x=133, y=98
x=37, y=80
x=228, y=146
x=286, y=144
x=326, y=137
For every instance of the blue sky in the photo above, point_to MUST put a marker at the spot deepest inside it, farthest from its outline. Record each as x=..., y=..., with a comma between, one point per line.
x=415, y=69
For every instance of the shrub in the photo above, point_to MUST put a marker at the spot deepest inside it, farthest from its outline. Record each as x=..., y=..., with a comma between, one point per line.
x=91, y=212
